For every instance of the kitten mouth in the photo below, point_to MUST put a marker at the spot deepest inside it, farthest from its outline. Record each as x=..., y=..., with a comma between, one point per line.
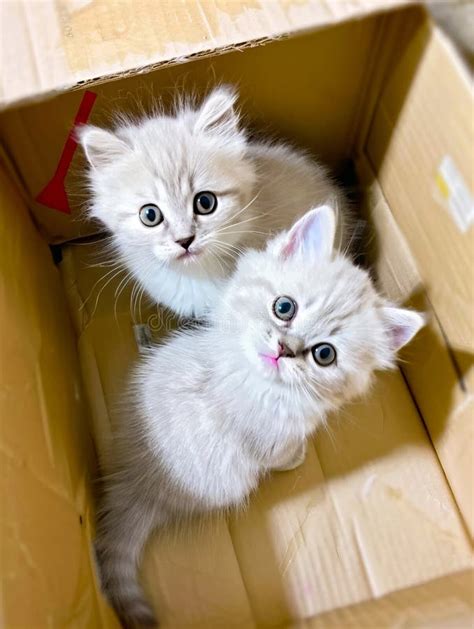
x=188, y=256
x=271, y=360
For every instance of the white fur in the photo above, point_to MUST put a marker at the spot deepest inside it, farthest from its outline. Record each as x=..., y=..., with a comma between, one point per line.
x=166, y=160
x=210, y=416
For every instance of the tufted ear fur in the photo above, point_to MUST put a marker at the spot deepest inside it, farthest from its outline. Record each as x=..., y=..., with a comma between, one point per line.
x=217, y=113
x=101, y=147
x=312, y=236
x=402, y=325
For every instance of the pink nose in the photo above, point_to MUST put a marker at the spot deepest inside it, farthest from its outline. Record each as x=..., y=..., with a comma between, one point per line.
x=185, y=242
x=285, y=351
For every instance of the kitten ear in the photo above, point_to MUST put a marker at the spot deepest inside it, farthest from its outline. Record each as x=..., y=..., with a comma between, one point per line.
x=217, y=113
x=312, y=235
x=101, y=147
x=402, y=325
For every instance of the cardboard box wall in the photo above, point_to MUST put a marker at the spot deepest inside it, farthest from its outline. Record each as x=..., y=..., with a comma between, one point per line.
x=383, y=508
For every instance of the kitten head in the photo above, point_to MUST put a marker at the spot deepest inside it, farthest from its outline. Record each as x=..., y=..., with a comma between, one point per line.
x=168, y=187
x=308, y=319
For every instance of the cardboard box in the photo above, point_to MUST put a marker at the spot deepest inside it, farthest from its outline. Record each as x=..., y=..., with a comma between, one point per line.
x=375, y=529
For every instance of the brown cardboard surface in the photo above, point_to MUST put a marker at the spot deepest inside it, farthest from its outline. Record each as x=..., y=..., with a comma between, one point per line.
x=427, y=363
x=45, y=452
x=368, y=513
x=52, y=46
x=347, y=539
x=394, y=265
x=412, y=133
x=442, y=603
x=272, y=80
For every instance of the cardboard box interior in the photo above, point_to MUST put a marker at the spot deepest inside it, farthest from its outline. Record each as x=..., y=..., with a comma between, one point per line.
x=384, y=501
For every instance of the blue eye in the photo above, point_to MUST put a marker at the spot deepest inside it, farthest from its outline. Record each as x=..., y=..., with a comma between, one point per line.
x=205, y=203
x=284, y=308
x=324, y=354
x=150, y=215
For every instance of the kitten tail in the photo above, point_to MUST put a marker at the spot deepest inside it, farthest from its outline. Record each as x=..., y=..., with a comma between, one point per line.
x=122, y=534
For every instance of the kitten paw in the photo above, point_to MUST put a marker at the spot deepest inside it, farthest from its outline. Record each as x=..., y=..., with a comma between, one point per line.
x=295, y=461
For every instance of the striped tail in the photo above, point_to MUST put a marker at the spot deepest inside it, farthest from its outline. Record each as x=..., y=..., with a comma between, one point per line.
x=122, y=535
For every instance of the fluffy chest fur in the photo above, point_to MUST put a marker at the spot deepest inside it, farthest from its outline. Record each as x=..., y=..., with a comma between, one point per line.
x=214, y=426
x=188, y=294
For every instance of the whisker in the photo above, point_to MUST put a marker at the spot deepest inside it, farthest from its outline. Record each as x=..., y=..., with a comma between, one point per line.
x=218, y=260
x=223, y=250
x=229, y=245
x=248, y=231
x=224, y=246
x=227, y=251
x=242, y=209
x=119, y=290
x=133, y=295
x=118, y=268
x=116, y=274
x=247, y=220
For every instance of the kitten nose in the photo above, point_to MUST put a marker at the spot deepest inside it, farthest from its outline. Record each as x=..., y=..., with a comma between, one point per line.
x=185, y=242
x=285, y=351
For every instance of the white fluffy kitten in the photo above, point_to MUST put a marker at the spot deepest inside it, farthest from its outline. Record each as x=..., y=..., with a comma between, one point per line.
x=298, y=331
x=184, y=194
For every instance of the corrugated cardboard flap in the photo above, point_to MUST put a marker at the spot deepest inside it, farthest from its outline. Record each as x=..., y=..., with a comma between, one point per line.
x=54, y=46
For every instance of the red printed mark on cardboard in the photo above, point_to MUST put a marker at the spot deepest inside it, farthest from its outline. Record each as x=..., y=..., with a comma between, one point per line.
x=54, y=194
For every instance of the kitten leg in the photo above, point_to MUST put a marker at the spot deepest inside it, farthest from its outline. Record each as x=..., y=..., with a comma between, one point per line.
x=292, y=459
x=122, y=533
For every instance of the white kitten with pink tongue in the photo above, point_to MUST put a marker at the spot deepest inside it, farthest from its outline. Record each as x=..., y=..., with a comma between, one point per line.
x=297, y=331
x=184, y=194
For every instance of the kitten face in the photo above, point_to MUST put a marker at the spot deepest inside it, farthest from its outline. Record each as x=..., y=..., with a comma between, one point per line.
x=335, y=339
x=309, y=320
x=167, y=186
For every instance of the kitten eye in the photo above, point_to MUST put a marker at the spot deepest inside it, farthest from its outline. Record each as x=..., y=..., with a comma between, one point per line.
x=284, y=308
x=324, y=354
x=205, y=203
x=150, y=215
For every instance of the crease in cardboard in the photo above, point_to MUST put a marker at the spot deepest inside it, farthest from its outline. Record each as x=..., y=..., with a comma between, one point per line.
x=91, y=369
x=402, y=141
x=178, y=59
x=433, y=312
x=84, y=604
x=449, y=349
x=446, y=442
x=369, y=91
x=245, y=585
x=439, y=456
x=444, y=602
x=44, y=413
x=364, y=561
x=8, y=165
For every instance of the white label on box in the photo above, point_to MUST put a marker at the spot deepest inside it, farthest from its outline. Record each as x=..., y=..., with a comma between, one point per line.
x=143, y=337
x=455, y=193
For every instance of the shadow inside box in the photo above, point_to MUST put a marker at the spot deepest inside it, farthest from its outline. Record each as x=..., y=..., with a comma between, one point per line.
x=297, y=537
